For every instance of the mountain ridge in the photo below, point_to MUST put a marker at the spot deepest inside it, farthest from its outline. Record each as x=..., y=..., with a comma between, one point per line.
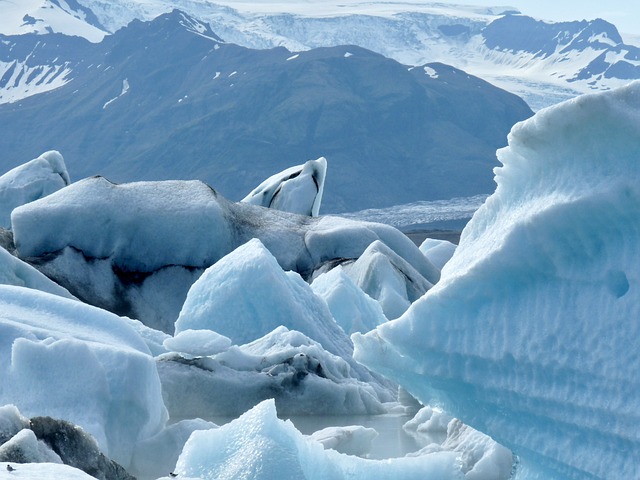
x=167, y=100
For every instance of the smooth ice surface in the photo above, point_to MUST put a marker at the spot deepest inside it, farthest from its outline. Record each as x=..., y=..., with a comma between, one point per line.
x=302, y=377
x=67, y=360
x=259, y=446
x=14, y=271
x=297, y=189
x=531, y=335
x=247, y=294
x=437, y=251
x=388, y=278
x=354, y=310
x=31, y=181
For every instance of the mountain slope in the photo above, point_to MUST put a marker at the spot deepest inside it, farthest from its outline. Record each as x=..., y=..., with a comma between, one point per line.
x=167, y=99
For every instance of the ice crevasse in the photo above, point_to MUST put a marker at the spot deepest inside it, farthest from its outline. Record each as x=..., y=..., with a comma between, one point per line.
x=532, y=334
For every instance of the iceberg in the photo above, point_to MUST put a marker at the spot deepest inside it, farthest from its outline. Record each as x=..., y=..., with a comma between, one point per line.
x=74, y=447
x=297, y=189
x=135, y=249
x=247, y=294
x=438, y=252
x=14, y=271
x=259, y=446
x=350, y=440
x=302, y=377
x=197, y=343
x=157, y=455
x=24, y=447
x=352, y=308
x=31, y=181
x=390, y=279
x=481, y=458
x=63, y=359
x=532, y=334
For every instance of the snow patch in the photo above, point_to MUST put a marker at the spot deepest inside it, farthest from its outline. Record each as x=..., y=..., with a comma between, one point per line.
x=124, y=91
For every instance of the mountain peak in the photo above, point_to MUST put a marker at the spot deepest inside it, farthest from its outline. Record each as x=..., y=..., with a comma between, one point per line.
x=175, y=20
x=523, y=33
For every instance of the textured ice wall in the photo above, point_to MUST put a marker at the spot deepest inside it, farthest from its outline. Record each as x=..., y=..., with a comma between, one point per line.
x=533, y=333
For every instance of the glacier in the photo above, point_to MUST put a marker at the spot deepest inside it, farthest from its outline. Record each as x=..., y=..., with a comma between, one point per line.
x=531, y=335
x=543, y=62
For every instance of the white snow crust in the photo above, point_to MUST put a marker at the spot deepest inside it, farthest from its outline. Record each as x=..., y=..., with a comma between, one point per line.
x=410, y=32
x=47, y=16
x=531, y=335
x=24, y=80
x=42, y=471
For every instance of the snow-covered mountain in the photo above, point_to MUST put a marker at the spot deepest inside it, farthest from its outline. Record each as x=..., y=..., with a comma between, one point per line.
x=544, y=63
x=167, y=99
x=50, y=16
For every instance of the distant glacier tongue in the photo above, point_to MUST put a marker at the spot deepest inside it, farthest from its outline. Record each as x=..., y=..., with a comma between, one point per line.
x=532, y=333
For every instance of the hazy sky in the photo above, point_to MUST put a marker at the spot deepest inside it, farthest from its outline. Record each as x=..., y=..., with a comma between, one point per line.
x=624, y=14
